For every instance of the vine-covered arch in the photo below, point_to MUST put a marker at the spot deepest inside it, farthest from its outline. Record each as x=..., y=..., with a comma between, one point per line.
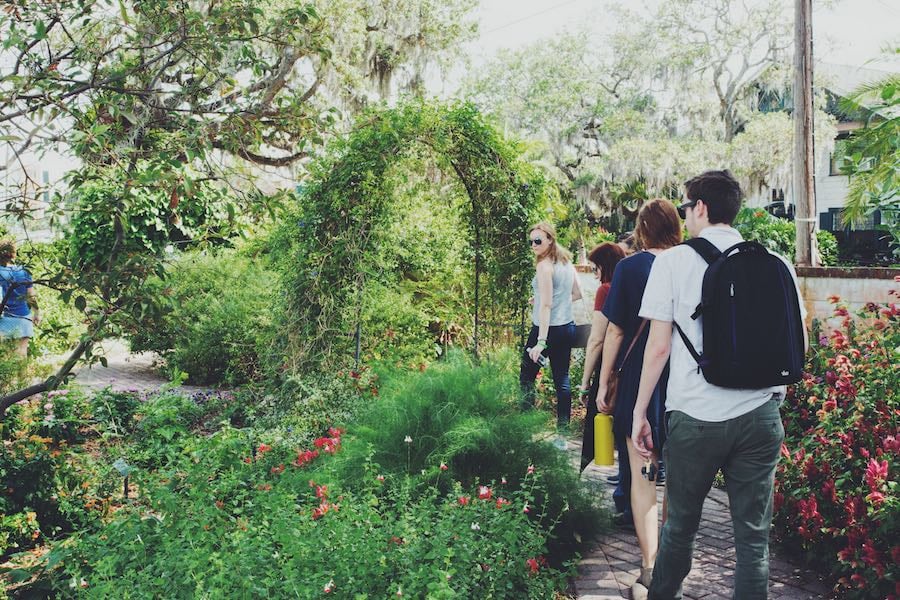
x=345, y=208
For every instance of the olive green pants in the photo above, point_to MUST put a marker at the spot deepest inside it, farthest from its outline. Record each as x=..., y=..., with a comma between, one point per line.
x=746, y=449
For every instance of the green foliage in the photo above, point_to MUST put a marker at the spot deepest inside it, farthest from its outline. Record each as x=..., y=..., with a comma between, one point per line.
x=327, y=251
x=227, y=524
x=468, y=417
x=871, y=157
x=304, y=405
x=61, y=323
x=214, y=321
x=113, y=412
x=780, y=235
x=163, y=429
x=43, y=492
x=836, y=495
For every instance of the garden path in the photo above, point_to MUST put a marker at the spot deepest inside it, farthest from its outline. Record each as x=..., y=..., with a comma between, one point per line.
x=125, y=371
x=613, y=564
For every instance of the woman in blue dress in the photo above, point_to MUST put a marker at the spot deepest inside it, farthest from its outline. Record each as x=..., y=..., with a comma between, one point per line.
x=19, y=312
x=658, y=228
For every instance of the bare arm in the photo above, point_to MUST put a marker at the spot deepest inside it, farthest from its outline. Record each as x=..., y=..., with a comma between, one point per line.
x=594, y=347
x=545, y=291
x=659, y=346
x=31, y=299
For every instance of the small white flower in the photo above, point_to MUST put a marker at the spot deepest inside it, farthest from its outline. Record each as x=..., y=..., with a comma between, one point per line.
x=476, y=527
x=408, y=440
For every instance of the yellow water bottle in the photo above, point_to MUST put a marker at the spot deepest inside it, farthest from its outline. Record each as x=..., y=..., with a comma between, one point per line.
x=603, y=440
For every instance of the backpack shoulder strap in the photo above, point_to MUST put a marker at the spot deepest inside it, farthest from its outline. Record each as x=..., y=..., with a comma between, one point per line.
x=704, y=248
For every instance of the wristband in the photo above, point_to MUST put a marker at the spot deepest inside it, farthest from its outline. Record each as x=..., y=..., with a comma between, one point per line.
x=541, y=343
x=585, y=392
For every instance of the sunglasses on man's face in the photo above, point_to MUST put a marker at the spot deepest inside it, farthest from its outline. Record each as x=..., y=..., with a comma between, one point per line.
x=536, y=241
x=682, y=210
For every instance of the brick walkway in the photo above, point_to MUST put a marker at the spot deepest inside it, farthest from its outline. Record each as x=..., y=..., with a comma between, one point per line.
x=125, y=371
x=609, y=569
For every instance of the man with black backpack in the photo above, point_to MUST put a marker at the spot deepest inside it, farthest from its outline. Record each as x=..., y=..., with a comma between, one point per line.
x=727, y=315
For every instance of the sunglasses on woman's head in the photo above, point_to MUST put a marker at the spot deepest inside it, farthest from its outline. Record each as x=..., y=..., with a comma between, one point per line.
x=536, y=241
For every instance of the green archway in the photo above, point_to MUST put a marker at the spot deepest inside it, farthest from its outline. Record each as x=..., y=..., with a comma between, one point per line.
x=345, y=209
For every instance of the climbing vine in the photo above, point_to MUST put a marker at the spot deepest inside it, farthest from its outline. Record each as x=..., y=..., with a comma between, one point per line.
x=328, y=246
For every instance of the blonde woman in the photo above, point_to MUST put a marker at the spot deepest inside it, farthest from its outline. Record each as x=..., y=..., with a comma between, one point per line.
x=555, y=286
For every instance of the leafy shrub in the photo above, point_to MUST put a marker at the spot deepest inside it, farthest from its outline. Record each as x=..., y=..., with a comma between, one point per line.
x=303, y=405
x=163, y=429
x=467, y=417
x=61, y=323
x=216, y=322
x=780, y=235
x=226, y=523
x=43, y=493
x=113, y=411
x=836, y=490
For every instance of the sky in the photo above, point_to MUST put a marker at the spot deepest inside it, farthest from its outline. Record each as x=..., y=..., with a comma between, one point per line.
x=844, y=31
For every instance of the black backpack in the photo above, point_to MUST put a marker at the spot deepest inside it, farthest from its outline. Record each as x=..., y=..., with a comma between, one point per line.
x=752, y=330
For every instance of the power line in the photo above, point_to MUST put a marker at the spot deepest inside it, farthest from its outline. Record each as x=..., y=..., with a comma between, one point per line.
x=537, y=14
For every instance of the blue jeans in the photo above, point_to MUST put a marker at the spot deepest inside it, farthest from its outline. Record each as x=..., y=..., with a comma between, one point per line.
x=560, y=339
x=747, y=449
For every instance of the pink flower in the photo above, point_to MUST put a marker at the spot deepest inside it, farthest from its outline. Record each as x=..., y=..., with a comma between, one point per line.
x=501, y=502
x=263, y=448
x=525, y=509
x=503, y=481
x=380, y=478
x=484, y=492
x=875, y=498
x=463, y=500
x=321, y=491
x=444, y=467
x=876, y=472
x=529, y=470
x=329, y=587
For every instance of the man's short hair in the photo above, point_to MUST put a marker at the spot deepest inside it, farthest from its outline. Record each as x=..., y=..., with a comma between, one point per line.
x=720, y=192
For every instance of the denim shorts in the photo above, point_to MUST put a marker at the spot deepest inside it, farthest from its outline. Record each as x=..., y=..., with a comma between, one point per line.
x=12, y=328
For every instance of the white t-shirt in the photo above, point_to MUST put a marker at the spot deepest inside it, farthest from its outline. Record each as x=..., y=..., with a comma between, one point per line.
x=672, y=294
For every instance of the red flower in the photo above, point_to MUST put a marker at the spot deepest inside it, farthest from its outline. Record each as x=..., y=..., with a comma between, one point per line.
x=484, y=492
x=533, y=565
x=463, y=500
x=444, y=467
x=529, y=470
x=278, y=470
x=321, y=491
x=829, y=491
x=263, y=448
x=876, y=472
x=875, y=498
x=335, y=432
x=305, y=457
x=501, y=502
x=264, y=487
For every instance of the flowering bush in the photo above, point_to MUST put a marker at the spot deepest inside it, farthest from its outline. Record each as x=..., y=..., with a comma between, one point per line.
x=278, y=521
x=462, y=421
x=836, y=489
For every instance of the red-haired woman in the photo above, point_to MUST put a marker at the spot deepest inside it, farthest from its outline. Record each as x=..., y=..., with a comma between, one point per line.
x=658, y=228
x=604, y=259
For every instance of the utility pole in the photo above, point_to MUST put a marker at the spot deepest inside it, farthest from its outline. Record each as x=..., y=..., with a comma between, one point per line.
x=804, y=158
